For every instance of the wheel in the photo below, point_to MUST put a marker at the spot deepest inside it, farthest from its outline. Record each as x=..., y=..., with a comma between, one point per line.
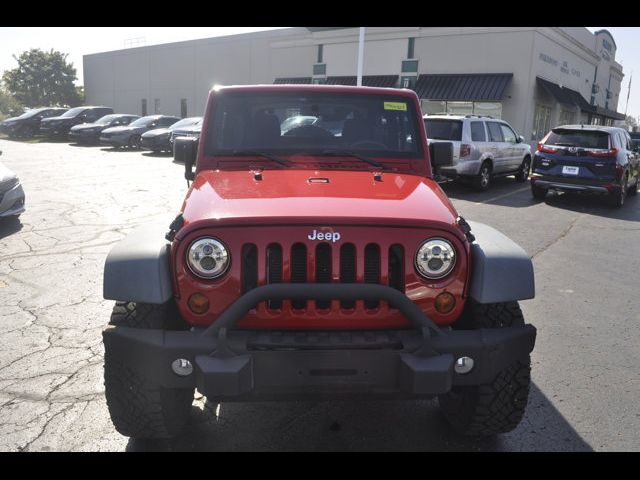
x=483, y=180
x=498, y=406
x=538, y=193
x=616, y=200
x=523, y=173
x=138, y=407
x=134, y=142
x=633, y=190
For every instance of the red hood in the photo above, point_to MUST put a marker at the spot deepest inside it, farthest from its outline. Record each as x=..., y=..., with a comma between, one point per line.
x=288, y=197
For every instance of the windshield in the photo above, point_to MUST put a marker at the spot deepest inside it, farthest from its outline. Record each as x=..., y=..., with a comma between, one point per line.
x=31, y=113
x=143, y=122
x=443, y=129
x=73, y=112
x=579, y=138
x=186, y=122
x=106, y=120
x=314, y=122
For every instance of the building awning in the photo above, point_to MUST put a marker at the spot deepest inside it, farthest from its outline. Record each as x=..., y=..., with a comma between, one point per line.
x=383, y=81
x=605, y=112
x=561, y=94
x=293, y=81
x=488, y=87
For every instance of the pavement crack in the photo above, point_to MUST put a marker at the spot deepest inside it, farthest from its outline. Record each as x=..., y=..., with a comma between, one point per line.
x=562, y=235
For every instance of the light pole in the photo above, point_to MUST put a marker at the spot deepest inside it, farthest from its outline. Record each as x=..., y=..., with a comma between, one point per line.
x=360, y=56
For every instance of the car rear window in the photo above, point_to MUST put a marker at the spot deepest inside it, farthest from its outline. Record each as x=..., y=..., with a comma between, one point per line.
x=579, y=138
x=443, y=129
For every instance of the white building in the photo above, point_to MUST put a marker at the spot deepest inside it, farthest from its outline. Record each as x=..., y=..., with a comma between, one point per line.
x=533, y=77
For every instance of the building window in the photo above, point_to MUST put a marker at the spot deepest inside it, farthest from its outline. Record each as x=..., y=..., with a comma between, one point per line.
x=541, y=122
x=432, y=107
x=460, y=108
x=566, y=117
x=488, y=109
x=596, y=120
x=409, y=66
x=407, y=82
x=320, y=69
x=410, y=47
x=319, y=81
x=183, y=107
x=156, y=105
x=320, y=49
x=144, y=107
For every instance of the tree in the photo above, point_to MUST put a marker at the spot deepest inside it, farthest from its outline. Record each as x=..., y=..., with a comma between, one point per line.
x=42, y=79
x=9, y=106
x=630, y=122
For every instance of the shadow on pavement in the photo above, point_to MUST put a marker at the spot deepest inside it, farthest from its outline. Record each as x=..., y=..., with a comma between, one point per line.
x=504, y=191
x=157, y=154
x=119, y=149
x=595, y=205
x=9, y=226
x=359, y=426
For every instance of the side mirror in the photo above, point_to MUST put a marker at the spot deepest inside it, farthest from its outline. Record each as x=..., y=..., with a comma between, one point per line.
x=185, y=150
x=441, y=153
x=519, y=139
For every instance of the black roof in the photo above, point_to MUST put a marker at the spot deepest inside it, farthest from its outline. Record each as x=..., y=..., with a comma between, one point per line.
x=384, y=81
x=463, y=86
x=293, y=81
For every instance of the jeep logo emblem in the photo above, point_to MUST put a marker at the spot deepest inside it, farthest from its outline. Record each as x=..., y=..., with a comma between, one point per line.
x=329, y=236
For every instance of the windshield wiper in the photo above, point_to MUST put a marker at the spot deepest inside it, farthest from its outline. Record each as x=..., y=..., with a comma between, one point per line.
x=261, y=154
x=346, y=153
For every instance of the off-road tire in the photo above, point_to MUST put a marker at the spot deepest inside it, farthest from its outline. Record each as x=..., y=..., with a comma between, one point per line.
x=538, y=193
x=484, y=179
x=138, y=407
x=498, y=406
x=523, y=172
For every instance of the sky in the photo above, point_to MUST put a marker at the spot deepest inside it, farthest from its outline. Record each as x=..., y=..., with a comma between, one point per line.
x=79, y=41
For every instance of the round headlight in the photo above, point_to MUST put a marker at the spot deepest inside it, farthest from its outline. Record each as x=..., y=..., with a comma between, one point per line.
x=435, y=258
x=208, y=258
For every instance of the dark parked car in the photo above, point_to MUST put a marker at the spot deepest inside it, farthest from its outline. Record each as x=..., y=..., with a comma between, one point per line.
x=130, y=136
x=157, y=140
x=28, y=124
x=60, y=126
x=587, y=159
x=90, y=132
x=187, y=131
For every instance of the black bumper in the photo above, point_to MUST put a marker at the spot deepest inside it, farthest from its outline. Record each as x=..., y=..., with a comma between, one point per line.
x=259, y=365
x=566, y=184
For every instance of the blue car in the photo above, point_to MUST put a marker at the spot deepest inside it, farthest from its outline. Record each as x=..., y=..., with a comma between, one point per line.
x=586, y=159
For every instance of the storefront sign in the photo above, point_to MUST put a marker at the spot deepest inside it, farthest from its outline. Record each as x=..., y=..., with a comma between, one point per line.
x=564, y=66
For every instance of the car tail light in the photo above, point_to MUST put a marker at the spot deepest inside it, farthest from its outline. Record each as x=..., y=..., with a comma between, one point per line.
x=543, y=148
x=612, y=152
x=465, y=150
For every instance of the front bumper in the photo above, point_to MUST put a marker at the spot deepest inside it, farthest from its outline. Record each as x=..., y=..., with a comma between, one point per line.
x=156, y=143
x=54, y=131
x=84, y=137
x=120, y=141
x=262, y=365
x=12, y=202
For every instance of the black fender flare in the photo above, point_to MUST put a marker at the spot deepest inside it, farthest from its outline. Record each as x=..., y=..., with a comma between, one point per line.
x=138, y=269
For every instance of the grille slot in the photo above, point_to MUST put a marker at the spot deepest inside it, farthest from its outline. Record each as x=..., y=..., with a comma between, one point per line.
x=348, y=270
x=249, y=256
x=274, y=271
x=299, y=270
x=371, y=270
x=396, y=268
x=323, y=270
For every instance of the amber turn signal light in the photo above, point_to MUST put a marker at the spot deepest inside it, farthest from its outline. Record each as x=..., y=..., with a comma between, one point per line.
x=198, y=303
x=445, y=302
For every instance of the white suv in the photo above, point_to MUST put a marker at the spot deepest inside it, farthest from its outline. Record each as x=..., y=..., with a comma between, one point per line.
x=483, y=148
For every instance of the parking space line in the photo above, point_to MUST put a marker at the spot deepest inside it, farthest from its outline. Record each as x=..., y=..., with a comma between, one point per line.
x=501, y=196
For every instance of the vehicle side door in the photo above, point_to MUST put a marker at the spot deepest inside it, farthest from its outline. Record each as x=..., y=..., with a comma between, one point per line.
x=513, y=159
x=496, y=147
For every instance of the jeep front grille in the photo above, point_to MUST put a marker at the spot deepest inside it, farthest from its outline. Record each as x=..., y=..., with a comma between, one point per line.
x=296, y=266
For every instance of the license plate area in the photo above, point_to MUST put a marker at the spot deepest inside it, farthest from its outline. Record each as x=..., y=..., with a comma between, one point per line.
x=568, y=170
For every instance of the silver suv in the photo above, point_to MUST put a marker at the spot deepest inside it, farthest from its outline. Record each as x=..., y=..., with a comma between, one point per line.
x=483, y=148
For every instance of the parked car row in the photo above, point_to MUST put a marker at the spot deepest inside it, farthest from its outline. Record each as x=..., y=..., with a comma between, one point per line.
x=590, y=159
x=11, y=193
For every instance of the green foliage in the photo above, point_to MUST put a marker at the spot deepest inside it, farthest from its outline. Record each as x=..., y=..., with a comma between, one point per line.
x=43, y=79
x=9, y=106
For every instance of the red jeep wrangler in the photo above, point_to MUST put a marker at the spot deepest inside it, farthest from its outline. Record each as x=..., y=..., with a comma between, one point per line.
x=315, y=257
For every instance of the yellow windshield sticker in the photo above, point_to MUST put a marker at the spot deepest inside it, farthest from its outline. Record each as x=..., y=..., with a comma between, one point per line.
x=395, y=106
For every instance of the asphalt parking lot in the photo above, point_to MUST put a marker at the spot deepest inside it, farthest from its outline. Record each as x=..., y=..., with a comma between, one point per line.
x=81, y=200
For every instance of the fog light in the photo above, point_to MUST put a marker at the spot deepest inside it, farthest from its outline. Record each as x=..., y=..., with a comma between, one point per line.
x=445, y=302
x=182, y=367
x=198, y=303
x=463, y=365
